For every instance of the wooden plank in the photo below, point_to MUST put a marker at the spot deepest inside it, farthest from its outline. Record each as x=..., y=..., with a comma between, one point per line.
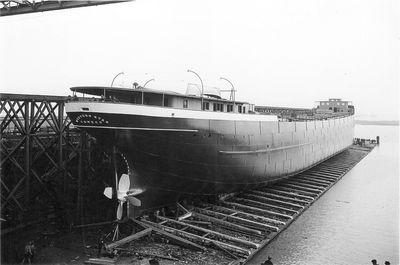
x=214, y=233
x=303, y=184
x=268, y=194
x=297, y=187
x=264, y=199
x=315, y=174
x=249, y=215
x=232, y=226
x=262, y=204
x=225, y=251
x=129, y=239
x=197, y=222
x=185, y=216
x=155, y=255
x=294, y=191
x=290, y=193
x=335, y=173
x=335, y=169
x=312, y=181
x=244, y=221
x=323, y=173
x=328, y=183
x=93, y=224
x=102, y=261
x=200, y=239
x=173, y=237
x=182, y=208
x=251, y=208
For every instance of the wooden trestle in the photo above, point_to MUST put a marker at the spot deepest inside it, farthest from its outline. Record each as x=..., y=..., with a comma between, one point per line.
x=244, y=223
x=43, y=161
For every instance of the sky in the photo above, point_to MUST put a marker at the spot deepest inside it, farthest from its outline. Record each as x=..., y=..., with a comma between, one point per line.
x=276, y=53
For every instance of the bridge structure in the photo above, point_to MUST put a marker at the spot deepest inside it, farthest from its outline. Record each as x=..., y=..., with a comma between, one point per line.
x=17, y=7
x=47, y=165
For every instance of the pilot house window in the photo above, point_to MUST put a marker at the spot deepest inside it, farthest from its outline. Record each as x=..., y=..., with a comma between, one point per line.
x=185, y=103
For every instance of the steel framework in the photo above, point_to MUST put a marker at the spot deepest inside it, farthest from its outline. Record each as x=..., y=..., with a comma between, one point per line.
x=16, y=7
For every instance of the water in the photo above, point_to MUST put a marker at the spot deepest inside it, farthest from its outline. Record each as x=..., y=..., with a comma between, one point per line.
x=356, y=221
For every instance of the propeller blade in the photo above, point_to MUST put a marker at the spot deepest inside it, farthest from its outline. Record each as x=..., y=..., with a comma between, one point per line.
x=119, y=211
x=108, y=192
x=134, y=201
x=121, y=196
x=124, y=183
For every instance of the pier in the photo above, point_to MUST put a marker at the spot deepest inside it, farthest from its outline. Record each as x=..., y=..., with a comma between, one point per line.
x=48, y=167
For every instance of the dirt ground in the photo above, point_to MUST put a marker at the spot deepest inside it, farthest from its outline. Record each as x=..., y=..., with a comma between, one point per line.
x=53, y=246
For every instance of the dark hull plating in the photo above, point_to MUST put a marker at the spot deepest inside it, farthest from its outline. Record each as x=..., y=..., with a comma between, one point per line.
x=199, y=156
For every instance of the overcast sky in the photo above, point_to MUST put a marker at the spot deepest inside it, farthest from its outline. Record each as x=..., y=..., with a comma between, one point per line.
x=277, y=53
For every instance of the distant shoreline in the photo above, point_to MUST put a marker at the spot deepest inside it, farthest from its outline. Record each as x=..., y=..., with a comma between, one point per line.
x=385, y=123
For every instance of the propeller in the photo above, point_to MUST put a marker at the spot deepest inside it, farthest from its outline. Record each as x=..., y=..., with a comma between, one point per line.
x=124, y=194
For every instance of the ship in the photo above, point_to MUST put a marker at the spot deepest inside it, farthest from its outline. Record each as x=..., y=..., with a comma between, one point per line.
x=203, y=144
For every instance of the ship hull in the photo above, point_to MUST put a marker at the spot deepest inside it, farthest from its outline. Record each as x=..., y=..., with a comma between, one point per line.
x=180, y=154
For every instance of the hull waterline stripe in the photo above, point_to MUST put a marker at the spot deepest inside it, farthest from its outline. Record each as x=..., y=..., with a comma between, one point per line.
x=137, y=128
x=261, y=150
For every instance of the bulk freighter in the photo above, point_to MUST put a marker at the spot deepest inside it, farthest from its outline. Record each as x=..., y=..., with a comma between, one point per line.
x=203, y=144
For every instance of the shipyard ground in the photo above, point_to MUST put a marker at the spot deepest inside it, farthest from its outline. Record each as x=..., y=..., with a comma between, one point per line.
x=230, y=231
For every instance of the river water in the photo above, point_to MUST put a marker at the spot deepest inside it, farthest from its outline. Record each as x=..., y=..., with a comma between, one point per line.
x=356, y=221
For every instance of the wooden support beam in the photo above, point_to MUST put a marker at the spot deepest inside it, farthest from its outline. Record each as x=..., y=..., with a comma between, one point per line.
x=295, y=191
x=229, y=225
x=290, y=193
x=264, y=199
x=92, y=225
x=331, y=171
x=225, y=251
x=324, y=173
x=268, y=194
x=180, y=206
x=312, y=177
x=202, y=240
x=268, y=205
x=96, y=261
x=338, y=166
x=214, y=233
x=255, y=209
x=155, y=255
x=248, y=215
x=179, y=240
x=185, y=216
x=323, y=176
x=335, y=169
x=314, y=182
x=129, y=239
x=303, y=184
x=328, y=183
x=314, y=191
x=243, y=221
x=197, y=222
